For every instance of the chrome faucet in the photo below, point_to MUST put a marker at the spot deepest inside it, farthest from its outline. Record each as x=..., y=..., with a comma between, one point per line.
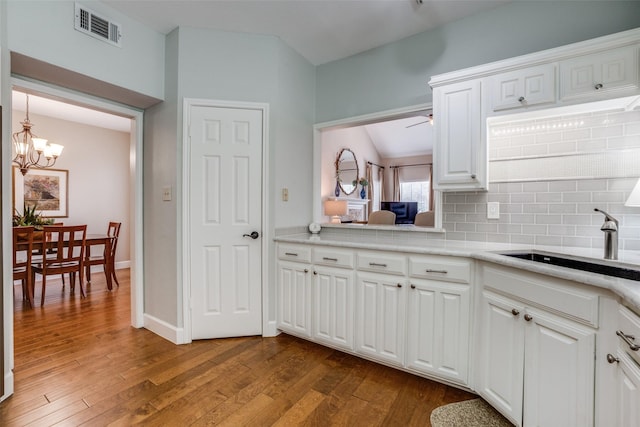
x=610, y=229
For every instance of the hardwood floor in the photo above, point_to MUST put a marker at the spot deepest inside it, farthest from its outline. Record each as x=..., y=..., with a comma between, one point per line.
x=79, y=362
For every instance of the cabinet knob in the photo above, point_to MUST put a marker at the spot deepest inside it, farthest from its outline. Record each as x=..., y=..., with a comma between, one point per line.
x=473, y=176
x=612, y=359
x=598, y=86
x=521, y=99
x=306, y=270
x=528, y=317
x=413, y=286
x=399, y=285
x=515, y=312
x=315, y=273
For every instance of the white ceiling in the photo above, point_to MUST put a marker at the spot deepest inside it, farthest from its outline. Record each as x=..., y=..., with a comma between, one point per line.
x=320, y=30
x=60, y=110
x=411, y=136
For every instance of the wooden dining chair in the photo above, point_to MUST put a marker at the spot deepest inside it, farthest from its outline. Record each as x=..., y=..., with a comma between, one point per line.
x=68, y=245
x=23, y=236
x=113, y=231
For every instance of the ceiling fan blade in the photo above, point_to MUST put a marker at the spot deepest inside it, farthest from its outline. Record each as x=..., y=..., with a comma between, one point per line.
x=416, y=124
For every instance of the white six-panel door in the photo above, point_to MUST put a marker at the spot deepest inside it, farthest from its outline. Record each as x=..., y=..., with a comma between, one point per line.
x=225, y=205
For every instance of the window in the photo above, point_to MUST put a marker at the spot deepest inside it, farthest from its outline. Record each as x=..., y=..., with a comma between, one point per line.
x=416, y=191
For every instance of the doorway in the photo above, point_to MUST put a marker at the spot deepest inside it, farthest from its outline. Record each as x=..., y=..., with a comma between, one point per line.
x=135, y=205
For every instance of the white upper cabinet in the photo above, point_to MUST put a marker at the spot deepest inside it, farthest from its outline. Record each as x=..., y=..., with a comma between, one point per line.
x=524, y=88
x=601, y=73
x=593, y=70
x=459, y=151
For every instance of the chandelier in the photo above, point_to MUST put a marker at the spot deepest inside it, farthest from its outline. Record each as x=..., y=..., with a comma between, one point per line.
x=30, y=149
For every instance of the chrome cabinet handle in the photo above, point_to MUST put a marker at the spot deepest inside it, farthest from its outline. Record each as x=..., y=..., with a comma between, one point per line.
x=528, y=317
x=612, y=359
x=515, y=312
x=627, y=339
x=598, y=86
x=290, y=254
x=428, y=270
x=521, y=99
x=330, y=259
x=375, y=264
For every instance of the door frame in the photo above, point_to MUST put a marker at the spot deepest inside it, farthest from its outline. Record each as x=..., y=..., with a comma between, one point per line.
x=265, y=232
x=135, y=195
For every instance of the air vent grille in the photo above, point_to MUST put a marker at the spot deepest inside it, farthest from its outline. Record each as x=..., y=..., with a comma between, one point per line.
x=90, y=23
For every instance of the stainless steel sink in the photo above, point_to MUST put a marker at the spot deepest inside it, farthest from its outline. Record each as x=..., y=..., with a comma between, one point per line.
x=624, y=271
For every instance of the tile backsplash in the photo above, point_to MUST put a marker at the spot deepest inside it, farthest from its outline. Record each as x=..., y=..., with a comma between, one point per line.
x=548, y=174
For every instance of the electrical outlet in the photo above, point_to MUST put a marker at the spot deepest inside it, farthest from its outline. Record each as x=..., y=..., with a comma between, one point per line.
x=493, y=210
x=285, y=194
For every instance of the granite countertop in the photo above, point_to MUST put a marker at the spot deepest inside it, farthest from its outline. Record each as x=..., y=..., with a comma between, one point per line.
x=628, y=290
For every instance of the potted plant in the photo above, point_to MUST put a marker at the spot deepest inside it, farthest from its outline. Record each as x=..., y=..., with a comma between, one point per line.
x=30, y=216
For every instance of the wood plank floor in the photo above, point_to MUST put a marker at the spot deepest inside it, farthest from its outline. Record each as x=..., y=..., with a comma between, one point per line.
x=79, y=362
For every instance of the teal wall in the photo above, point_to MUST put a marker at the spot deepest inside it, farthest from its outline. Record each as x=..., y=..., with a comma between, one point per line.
x=44, y=30
x=219, y=65
x=396, y=75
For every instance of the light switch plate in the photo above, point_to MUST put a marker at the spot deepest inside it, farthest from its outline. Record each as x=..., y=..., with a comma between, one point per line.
x=166, y=194
x=285, y=194
x=493, y=210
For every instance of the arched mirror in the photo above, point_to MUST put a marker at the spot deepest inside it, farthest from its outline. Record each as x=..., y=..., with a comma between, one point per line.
x=347, y=171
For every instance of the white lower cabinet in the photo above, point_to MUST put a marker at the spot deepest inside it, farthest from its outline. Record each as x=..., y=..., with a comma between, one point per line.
x=332, y=306
x=380, y=316
x=628, y=391
x=294, y=297
x=536, y=368
x=627, y=358
x=438, y=322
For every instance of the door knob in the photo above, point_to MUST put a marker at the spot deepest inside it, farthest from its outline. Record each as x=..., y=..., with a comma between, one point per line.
x=254, y=235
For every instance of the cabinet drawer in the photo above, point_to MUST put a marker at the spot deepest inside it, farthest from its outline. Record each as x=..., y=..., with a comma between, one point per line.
x=562, y=297
x=629, y=325
x=440, y=268
x=294, y=253
x=333, y=257
x=383, y=263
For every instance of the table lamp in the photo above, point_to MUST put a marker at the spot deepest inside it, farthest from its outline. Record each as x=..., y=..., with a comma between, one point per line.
x=335, y=209
x=634, y=197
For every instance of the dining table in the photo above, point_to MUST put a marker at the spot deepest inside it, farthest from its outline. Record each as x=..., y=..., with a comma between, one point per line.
x=92, y=239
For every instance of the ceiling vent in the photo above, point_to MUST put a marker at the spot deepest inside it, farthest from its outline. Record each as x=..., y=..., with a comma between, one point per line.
x=88, y=22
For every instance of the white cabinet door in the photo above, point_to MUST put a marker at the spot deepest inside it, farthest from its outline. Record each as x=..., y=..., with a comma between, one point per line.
x=523, y=88
x=459, y=150
x=501, y=344
x=559, y=371
x=438, y=329
x=294, y=297
x=380, y=316
x=333, y=306
x=628, y=392
x=598, y=74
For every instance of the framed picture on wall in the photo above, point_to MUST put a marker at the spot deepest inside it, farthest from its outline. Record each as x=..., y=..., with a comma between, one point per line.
x=46, y=189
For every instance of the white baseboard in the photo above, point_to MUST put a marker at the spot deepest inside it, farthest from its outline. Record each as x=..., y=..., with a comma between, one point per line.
x=270, y=329
x=164, y=329
x=8, y=385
